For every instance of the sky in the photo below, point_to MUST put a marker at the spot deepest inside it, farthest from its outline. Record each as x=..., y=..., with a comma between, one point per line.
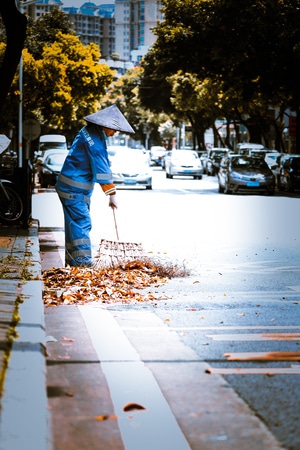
x=78, y=3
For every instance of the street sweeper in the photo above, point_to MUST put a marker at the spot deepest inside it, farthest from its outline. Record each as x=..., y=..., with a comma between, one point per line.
x=87, y=163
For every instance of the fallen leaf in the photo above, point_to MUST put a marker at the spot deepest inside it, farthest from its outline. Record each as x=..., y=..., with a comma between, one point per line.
x=67, y=339
x=132, y=407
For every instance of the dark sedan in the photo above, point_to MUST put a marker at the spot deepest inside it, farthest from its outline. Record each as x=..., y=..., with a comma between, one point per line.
x=215, y=156
x=51, y=167
x=240, y=173
x=289, y=173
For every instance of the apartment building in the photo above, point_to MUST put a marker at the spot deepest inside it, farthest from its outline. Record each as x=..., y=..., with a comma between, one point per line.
x=133, y=22
x=41, y=7
x=123, y=28
x=94, y=24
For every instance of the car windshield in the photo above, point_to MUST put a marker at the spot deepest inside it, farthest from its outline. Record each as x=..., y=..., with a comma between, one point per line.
x=129, y=158
x=249, y=163
x=56, y=159
x=186, y=156
x=218, y=154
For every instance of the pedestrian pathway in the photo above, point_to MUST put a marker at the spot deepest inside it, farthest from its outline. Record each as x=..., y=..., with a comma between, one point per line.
x=24, y=418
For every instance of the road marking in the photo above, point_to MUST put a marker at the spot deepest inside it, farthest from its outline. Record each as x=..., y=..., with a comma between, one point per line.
x=286, y=327
x=263, y=356
x=130, y=381
x=254, y=371
x=255, y=337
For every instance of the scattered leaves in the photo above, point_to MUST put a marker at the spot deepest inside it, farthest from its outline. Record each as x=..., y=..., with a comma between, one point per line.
x=79, y=285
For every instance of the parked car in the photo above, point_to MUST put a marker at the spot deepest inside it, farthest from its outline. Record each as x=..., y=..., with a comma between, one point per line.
x=157, y=152
x=215, y=155
x=112, y=150
x=289, y=173
x=203, y=158
x=50, y=167
x=130, y=167
x=49, y=142
x=183, y=163
x=239, y=173
x=272, y=158
x=246, y=148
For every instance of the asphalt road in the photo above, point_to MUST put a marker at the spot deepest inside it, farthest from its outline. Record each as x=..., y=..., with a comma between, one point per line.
x=235, y=318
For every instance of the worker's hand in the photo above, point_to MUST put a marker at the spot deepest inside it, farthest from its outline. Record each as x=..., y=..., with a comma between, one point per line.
x=113, y=201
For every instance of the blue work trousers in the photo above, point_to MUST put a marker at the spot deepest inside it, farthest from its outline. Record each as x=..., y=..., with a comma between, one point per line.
x=78, y=225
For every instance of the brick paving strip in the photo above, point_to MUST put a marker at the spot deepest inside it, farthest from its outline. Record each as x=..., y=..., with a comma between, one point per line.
x=16, y=268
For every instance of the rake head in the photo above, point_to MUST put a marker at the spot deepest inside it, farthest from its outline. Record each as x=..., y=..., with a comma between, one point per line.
x=116, y=253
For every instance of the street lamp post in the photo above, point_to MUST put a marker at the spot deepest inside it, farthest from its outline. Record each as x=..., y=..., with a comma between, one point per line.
x=24, y=178
x=20, y=149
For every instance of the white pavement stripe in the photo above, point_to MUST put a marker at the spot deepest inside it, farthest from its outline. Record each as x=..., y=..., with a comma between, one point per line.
x=130, y=381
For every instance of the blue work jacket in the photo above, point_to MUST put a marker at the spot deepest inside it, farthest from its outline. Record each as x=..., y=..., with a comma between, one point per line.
x=87, y=162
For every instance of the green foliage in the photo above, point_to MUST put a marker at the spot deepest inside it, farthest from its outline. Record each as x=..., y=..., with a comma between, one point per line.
x=249, y=50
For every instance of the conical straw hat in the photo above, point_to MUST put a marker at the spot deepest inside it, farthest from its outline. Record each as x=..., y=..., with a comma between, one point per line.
x=112, y=118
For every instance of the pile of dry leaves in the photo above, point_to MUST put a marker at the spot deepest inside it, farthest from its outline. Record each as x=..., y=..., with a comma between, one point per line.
x=79, y=285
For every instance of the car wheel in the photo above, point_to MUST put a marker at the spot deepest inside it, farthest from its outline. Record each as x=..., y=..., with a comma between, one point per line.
x=226, y=189
x=149, y=187
x=197, y=177
x=287, y=186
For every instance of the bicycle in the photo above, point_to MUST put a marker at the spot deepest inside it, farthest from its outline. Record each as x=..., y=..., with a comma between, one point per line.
x=11, y=205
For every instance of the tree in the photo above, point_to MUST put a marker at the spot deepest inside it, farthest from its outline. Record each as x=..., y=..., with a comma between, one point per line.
x=72, y=81
x=125, y=93
x=62, y=87
x=252, y=49
x=43, y=31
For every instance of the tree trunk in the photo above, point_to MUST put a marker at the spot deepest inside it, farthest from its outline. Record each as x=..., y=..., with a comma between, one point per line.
x=15, y=25
x=298, y=131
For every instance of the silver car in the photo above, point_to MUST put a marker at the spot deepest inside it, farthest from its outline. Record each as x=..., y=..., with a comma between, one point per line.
x=239, y=173
x=130, y=168
x=183, y=163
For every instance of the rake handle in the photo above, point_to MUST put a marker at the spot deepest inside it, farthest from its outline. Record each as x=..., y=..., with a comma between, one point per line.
x=115, y=220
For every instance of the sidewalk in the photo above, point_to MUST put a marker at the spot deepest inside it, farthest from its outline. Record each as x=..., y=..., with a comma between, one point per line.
x=24, y=419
